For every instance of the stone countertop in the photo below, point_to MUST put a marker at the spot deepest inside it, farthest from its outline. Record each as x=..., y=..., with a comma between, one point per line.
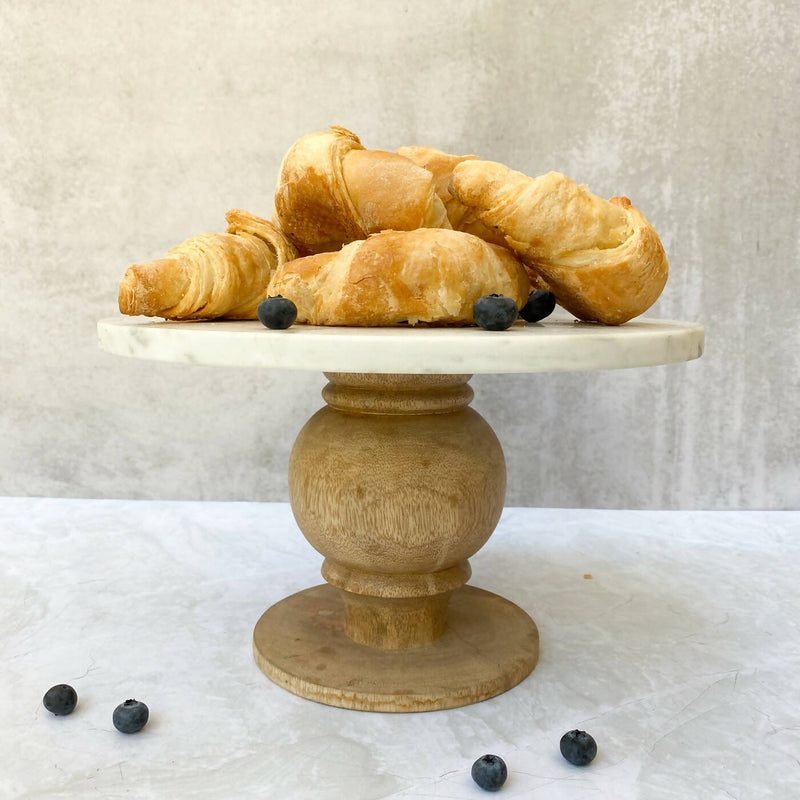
x=672, y=637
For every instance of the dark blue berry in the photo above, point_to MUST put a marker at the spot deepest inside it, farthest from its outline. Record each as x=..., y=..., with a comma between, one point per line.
x=494, y=312
x=277, y=312
x=540, y=305
x=578, y=747
x=60, y=699
x=130, y=716
x=489, y=772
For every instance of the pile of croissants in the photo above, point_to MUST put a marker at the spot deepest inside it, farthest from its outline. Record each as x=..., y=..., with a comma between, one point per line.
x=371, y=238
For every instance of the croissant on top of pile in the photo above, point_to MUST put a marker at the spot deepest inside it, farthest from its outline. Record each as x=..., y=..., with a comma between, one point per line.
x=372, y=238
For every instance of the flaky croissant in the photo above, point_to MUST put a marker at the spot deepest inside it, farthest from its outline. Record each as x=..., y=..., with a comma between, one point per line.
x=209, y=276
x=427, y=275
x=601, y=258
x=441, y=166
x=332, y=191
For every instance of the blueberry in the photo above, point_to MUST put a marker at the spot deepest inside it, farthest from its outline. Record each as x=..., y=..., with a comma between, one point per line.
x=277, y=312
x=494, y=312
x=489, y=772
x=60, y=699
x=540, y=305
x=578, y=747
x=130, y=716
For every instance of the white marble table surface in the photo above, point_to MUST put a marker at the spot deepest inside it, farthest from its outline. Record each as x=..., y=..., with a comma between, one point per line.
x=680, y=654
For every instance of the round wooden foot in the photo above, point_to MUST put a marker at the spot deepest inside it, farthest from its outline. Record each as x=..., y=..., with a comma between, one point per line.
x=489, y=646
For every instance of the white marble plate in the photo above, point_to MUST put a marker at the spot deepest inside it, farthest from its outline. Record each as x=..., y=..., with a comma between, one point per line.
x=558, y=344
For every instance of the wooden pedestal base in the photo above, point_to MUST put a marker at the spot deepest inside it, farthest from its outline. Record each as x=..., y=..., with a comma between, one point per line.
x=489, y=646
x=397, y=483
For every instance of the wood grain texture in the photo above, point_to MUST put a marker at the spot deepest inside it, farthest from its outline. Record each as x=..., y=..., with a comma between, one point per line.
x=401, y=491
x=397, y=483
x=490, y=646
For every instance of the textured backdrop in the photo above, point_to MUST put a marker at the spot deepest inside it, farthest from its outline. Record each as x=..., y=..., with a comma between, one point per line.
x=126, y=128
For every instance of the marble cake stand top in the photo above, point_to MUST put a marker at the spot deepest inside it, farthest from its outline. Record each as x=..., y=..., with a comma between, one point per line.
x=557, y=344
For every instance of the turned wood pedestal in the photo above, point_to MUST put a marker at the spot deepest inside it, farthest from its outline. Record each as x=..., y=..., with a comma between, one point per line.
x=396, y=481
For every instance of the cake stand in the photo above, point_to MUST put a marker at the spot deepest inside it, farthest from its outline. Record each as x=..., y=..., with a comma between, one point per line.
x=397, y=482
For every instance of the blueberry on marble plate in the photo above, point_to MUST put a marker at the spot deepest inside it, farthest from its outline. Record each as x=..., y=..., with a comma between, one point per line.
x=578, y=747
x=60, y=699
x=277, y=312
x=489, y=772
x=130, y=716
x=495, y=312
x=541, y=304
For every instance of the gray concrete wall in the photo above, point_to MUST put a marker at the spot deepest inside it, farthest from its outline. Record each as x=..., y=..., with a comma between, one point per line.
x=126, y=128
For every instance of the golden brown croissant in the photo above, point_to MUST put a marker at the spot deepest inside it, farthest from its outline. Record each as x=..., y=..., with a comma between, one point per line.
x=601, y=258
x=426, y=275
x=441, y=165
x=332, y=191
x=211, y=275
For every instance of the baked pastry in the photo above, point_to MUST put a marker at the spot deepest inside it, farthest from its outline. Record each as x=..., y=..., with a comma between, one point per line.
x=441, y=166
x=332, y=191
x=601, y=258
x=209, y=276
x=421, y=276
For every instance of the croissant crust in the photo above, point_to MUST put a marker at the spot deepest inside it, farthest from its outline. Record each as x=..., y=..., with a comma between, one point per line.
x=421, y=276
x=209, y=276
x=332, y=191
x=602, y=259
x=441, y=166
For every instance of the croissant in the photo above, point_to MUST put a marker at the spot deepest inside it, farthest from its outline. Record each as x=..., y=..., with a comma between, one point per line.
x=425, y=275
x=211, y=275
x=601, y=258
x=441, y=166
x=332, y=191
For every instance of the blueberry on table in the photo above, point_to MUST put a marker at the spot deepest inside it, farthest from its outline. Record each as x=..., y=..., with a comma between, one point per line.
x=130, y=716
x=578, y=747
x=495, y=312
x=540, y=305
x=277, y=312
x=60, y=699
x=489, y=772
